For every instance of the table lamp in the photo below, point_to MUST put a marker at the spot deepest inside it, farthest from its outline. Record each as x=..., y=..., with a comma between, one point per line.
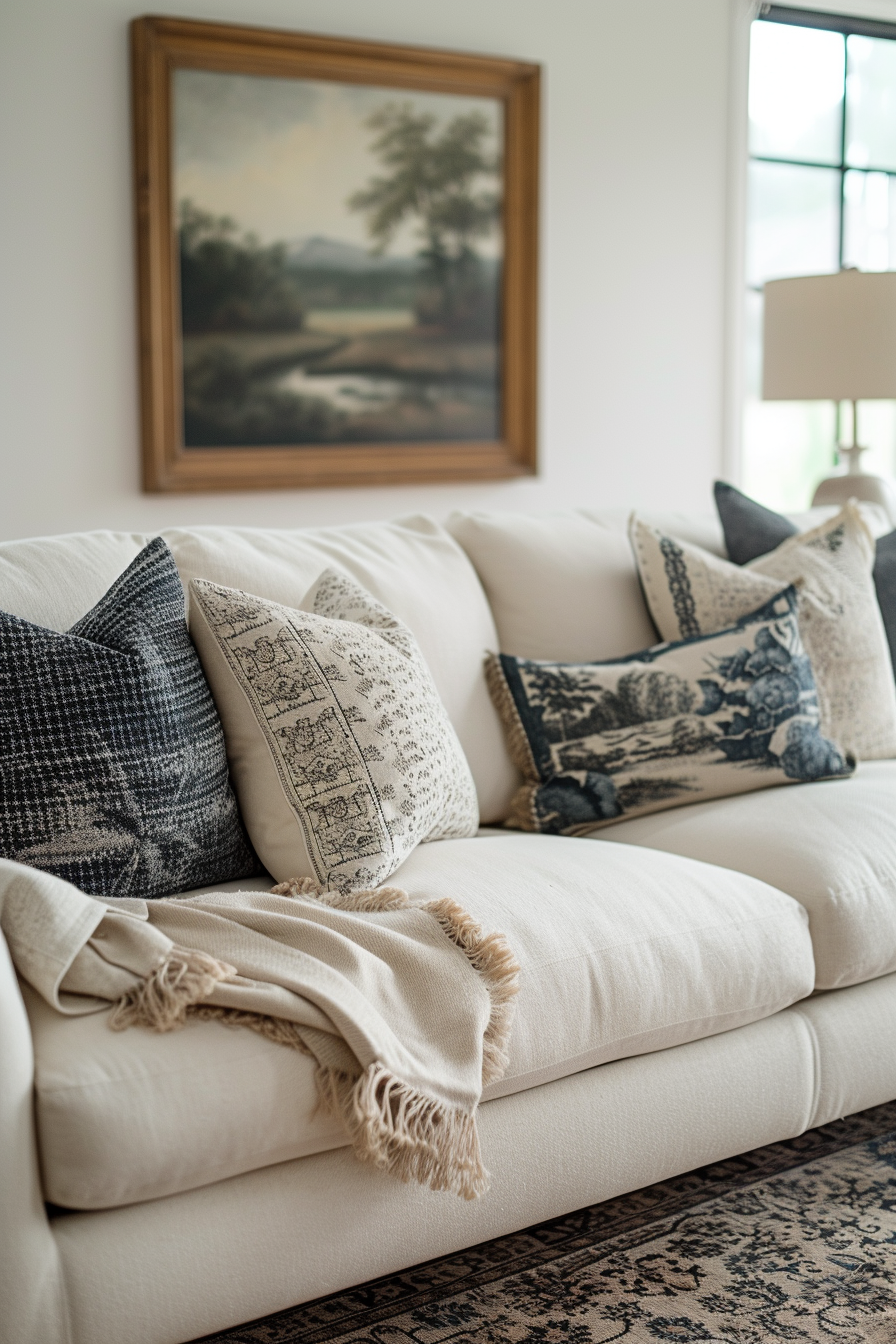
x=833, y=338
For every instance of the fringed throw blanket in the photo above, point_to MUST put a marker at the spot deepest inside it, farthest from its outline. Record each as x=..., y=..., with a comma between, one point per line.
x=405, y=1008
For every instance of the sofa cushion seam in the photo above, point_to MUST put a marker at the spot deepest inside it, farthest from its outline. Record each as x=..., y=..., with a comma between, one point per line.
x=812, y=1118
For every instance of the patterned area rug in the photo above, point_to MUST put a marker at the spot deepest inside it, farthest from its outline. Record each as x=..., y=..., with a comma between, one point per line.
x=795, y=1242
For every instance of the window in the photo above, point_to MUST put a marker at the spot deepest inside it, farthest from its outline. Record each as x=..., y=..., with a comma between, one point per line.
x=821, y=194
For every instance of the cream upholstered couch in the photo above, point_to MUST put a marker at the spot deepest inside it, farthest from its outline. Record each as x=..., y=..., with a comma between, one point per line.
x=157, y=1188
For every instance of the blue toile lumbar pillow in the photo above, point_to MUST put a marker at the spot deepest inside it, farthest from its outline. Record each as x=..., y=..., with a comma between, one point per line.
x=702, y=718
x=113, y=771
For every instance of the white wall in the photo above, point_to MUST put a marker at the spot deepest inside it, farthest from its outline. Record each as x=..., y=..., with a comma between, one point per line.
x=633, y=256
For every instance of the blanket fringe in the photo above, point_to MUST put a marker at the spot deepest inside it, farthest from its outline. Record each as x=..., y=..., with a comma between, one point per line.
x=161, y=1000
x=488, y=954
x=391, y=1124
x=497, y=967
x=298, y=886
x=277, y=1029
x=380, y=898
x=402, y=1131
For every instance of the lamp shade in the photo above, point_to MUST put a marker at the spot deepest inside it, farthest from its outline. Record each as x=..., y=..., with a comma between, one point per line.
x=830, y=337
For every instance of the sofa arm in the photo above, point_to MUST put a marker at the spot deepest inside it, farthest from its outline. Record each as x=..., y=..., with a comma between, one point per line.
x=33, y=1307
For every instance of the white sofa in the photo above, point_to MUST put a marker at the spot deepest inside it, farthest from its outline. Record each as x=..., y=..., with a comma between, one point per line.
x=694, y=983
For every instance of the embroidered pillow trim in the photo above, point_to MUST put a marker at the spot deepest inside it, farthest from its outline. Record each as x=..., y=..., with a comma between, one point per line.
x=367, y=762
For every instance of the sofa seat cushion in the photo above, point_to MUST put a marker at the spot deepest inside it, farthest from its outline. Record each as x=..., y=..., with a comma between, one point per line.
x=622, y=951
x=830, y=845
x=618, y=958
x=123, y=1117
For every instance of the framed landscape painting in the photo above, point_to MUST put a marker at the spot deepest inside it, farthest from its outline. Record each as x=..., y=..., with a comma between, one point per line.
x=337, y=255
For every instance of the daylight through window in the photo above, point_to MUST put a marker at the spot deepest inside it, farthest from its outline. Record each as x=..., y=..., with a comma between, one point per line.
x=821, y=194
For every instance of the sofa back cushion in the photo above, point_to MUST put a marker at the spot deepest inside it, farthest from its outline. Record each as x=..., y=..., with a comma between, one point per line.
x=561, y=587
x=564, y=586
x=54, y=581
x=416, y=570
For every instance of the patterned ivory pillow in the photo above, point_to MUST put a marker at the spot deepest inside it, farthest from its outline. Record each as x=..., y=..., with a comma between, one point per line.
x=751, y=530
x=341, y=752
x=706, y=717
x=113, y=773
x=691, y=592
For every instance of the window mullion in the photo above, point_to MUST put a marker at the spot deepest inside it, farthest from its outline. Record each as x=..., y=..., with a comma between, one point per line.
x=843, y=165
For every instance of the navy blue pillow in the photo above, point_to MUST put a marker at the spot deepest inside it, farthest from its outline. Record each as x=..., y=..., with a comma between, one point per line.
x=752, y=530
x=113, y=772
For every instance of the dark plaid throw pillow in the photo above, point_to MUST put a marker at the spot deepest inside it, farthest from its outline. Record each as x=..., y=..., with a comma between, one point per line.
x=113, y=772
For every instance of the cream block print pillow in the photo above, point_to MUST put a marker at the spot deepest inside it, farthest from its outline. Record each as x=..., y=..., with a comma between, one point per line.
x=341, y=753
x=691, y=592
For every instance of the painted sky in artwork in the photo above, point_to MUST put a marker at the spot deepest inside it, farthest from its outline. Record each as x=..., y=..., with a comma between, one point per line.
x=282, y=156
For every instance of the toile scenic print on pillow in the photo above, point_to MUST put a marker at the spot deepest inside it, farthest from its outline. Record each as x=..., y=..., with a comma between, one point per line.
x=691, y=592
x=703, y=718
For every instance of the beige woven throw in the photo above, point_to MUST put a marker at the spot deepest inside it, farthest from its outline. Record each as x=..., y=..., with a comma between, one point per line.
x=405, y=1008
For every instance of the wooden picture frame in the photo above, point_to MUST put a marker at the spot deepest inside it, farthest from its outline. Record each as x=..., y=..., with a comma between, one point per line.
x=163, y=47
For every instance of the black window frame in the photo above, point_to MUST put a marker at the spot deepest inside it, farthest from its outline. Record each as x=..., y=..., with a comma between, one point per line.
x=849, y=27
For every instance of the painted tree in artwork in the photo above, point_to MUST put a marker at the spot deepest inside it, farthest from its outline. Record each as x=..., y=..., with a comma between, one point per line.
x=445, y=179
x=229, y=281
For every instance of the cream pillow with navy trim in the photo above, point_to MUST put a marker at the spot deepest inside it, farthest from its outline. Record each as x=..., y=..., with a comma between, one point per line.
x=690, y=592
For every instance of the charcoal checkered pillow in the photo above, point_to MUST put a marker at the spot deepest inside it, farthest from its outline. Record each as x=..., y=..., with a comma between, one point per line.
x=113, y=772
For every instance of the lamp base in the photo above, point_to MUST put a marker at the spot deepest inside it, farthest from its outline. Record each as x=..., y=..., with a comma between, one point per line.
x=858, y=485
